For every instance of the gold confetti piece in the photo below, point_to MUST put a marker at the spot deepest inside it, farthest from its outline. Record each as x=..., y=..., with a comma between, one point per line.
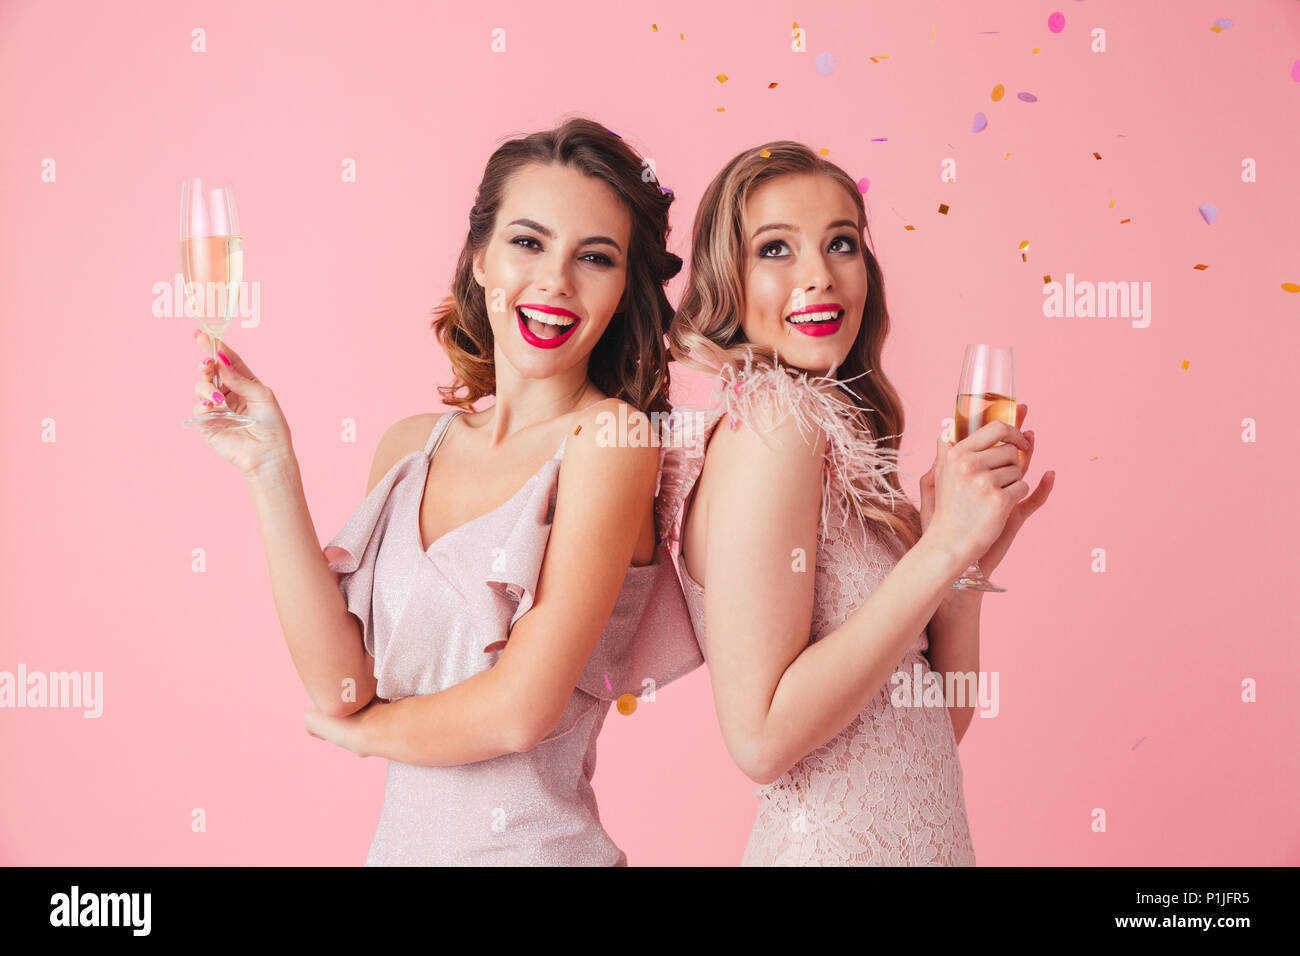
x=654, y=27
x=943, y=208
x=722, y=109
x=1023, y=257
x=1184, y=365
x=883, y=56
x=1024, y=245
x=998, y=92
x=824, y=151
x=1122, y=221
x=874, y=60
x=931, y=34
x=627, y=705
x=721, y=78
x=1112, y=204
x=1216, y=29
x=1094, y=457
x=1034, y=50
x=1046, y=279
x=1200, y=266
x=1007, y=156
x=910, y=228
x=771, y=86
x=1290, y=287
x=796, y=24
x=578, y=429
x=765, y=153
x=1096, y=155
x=682, y=35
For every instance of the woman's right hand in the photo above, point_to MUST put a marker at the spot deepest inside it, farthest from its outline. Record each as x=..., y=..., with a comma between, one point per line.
x=977, y=482
x=251, y=448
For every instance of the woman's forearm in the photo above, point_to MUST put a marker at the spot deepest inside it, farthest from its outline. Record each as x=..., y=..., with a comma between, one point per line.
x=832, y=680
x=324, y=638
x=955, y=649
x=467, y=722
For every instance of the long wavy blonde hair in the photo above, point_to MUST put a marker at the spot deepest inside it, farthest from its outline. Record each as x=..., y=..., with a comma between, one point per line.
x=706, y=333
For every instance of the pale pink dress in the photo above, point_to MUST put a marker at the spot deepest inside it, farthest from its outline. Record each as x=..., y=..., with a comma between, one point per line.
x=431, y=618
x=886, y=790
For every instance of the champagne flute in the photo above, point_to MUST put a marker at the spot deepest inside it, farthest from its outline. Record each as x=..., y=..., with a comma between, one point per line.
x=986, y=393
x=212, y=262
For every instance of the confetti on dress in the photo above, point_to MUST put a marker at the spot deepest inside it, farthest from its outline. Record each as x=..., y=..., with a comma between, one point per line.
x=1209, y=212
x=981, y=122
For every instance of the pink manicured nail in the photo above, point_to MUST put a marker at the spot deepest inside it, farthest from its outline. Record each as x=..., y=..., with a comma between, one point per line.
x=208, y=404
x=216, y=398
x=223, y=356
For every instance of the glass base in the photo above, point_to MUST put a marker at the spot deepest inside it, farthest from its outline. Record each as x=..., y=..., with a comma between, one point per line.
x=973, y=579
x=219, y=420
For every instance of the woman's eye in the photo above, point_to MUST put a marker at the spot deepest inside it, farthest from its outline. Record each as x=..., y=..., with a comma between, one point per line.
x=850, y=244
x=597, y=257
x=775, y=244
x=520, y=240
x=601, y=258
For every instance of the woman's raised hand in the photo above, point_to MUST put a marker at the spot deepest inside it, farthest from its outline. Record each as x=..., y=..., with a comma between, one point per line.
x=265, y=442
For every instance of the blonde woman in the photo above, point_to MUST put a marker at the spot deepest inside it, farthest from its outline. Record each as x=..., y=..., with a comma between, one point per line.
x=810, y=576
x=502, y=582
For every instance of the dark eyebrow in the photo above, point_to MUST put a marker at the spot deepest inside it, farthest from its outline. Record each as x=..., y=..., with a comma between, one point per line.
x=789, y=228
x=589, y=241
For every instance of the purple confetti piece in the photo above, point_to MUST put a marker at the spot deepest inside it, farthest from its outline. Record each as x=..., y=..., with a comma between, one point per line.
x=981, y=121
x=1223, y=23
x=881, y=139
x=1027, y=97
x=1135, y=746
x=864, y=184
x=1056, y=22
x=825, y=64
x=1209, y=212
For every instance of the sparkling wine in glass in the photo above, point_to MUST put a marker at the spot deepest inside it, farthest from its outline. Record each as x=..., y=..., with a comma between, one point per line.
x=212, y=263
x=986, y=393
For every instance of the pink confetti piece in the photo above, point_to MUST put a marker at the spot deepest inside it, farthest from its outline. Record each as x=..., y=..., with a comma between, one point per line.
x=1209, y=212
x=825, y=64
x=607, y=684
x=1056, y=22
x=864, y=184
x=1295, y=71
x=981, y=122
x=1027, y=97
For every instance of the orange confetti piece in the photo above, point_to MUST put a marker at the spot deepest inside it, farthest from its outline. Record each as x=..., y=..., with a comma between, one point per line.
x=1290, y=287
x=1035, y=50
x=1047, y=279
x=721, y=78
x=721, y=109
x=654, y=27
x=1024, y=245
x=874, y=60
x=1112, y=204
x=1122, y=221
x=1216, y=29
x=578, y=429
x=943, y=208
x=1200, y=266
x=931, y=34
x=1023, y=257
x=1097, y=155
x=1185, y=364
x=682, y=35
x=1094, y=457
x=998, y=92
x=824, y=151
x=771, y=86
x=765, y=153
x=627, y=705
x=910, y=228
x=1007, y=156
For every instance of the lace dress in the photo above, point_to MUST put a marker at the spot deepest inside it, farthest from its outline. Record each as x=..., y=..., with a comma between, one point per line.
x=886, y=790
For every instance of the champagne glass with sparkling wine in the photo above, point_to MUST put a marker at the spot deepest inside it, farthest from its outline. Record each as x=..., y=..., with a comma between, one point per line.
x=212, y=262
x=986, y=393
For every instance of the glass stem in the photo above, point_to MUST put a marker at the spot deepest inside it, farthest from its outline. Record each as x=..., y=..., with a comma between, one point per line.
x=216, y=363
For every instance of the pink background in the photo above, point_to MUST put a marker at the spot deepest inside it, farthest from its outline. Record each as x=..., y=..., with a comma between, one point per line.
x=1119, y=690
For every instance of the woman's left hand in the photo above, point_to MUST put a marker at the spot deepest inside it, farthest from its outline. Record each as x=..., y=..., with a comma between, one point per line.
x=346, y=732
x=1019, y=514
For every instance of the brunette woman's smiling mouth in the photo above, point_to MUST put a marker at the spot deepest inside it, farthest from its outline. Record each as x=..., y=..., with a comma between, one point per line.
x=545, y=326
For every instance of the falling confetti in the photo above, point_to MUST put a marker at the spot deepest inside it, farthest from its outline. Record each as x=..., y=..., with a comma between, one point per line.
x=1185, y=364
x=627, y=705
x=1027, y=97
x=1007, y=156
x=1290, y=287
x=864, y=184
x=771, y=86
x=998, y=92
x=1056, y=22
x=608, y=685
x=943, y=208
x=1096, y=155
x=910, y=228
x=1135, y=746
x=823, y=151
x=654, y=27
x=1209, y=212
x=1024, y=245
x=825, y=64
x=721, y=78
x=881, y=139
x=1223, y=23
x=1122, y=221
x=1295, y=71
x=1046, y=279
x=1200, y=265
x=980, y=123
x=1094, y=457
x=1112, y=204
x=1036, y=50
x=765, y=153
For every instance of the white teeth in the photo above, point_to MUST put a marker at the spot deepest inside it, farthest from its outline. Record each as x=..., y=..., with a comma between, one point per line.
x=813, y=317
x=563, y=321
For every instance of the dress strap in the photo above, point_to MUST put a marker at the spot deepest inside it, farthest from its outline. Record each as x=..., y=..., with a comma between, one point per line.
x=439, y=431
